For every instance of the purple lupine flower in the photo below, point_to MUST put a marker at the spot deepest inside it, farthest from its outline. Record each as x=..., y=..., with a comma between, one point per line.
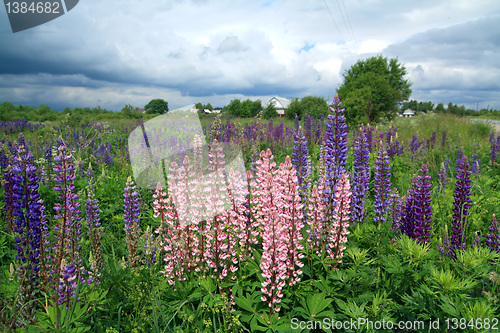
x=296, y=122
x=443, y=138
x=493, y=237
x=67, y=284
x=131, y=218
x=395, y=209
x=461, y=206
x=3, y=160
x=476, y=165
x=442, y=178
x=369, y=136
x=417, y=215
x=444, y=248
x=308, y=128
x=382, y=184
x=302, y=163
x=460, y=156
x=433, y=140
x=93, y=224
x=360, y=176
x=68, y=226
x=28, y=228
x=494, y=148
x=414, y=145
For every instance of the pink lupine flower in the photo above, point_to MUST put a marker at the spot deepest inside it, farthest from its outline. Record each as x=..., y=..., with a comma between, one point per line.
x=292, y=216
x=337, y=235
x=315, y=217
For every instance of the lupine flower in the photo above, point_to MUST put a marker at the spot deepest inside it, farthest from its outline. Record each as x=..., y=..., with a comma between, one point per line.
x=460, y=155
x=308, y=128
x=296, y=122
x=336, y=151
x=443, y=138
x=315, y=216
x=68, y=226
x=337, y=231
x=382, y=184
x=418, y=215
x=28, y=228
x=493, y=237
x=131, y=218
x=442, y=178
x=360, y=176
x=476, y=166
x=302, y=163
x=395, y=209
x=93, y=223
x=445, y=247
x=461, y=206
x=292, y=215
x=67, y=284
x=433, y=140
x=494, y=148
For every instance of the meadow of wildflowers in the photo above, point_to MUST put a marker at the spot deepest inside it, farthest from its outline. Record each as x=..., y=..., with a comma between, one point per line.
x=326, y=222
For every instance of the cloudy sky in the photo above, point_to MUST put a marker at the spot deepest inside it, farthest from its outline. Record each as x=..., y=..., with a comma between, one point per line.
x=116, y=52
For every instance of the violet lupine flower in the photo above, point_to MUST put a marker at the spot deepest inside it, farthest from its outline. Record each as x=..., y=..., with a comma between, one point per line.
x=461, y=206
x=433, y=140
x=444, y=246
x=443, y=138
x=296, y=122
x=93, y=224
x=28, y=228
x=414, y=145
x=476, y=165
x=68, y=227
x=360, y=176
x=460, y=156
x=418, y=215
x=336, y=152
x=442, y=178
x=382, y=184
x=395, y=209
x=131, y=218
x=308, y=128
x=369, y=136
x=493, y=148
x=67, y=284
x=493, y=237
x=302, y=163
x=337, y=234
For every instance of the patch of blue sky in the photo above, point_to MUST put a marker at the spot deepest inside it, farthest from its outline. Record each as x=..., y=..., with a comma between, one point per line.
x=307, y=47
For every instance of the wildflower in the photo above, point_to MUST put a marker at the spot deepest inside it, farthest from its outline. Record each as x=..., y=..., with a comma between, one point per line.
x=395, y=209
x=417, y=215
x=93, y=222
x=493, y=237
x=382, y=184
x=301, y=162
x=337, y=232
x=336, y=151
x=461, y=206
x=360, y=176
x=67, y=284
x=131, y=218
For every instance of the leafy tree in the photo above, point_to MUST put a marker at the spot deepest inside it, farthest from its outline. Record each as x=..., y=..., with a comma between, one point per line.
x=128, y=109
x=198, y=106
x=372, y=88
x=440, y=108
x=270, y=111
x=208, y=106
x=314, y=106
x=294, y=108
x=234, y=107
x=156, y=106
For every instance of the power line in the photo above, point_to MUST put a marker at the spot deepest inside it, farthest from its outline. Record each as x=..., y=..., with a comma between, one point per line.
x=350, y=26
x=335, y=22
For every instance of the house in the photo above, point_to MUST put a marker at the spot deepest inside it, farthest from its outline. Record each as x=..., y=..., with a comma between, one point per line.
x=140, y=110
x=408, y=113
x=280, y=104
x=206, y=111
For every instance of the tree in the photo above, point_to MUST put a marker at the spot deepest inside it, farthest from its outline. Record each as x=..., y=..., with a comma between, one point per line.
x=294, y=108
x=270, y=111
x=440, y=108
x=198, y=106
x=157, y=106
x=314, y=106
x=234, y=107
x=372, y=89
